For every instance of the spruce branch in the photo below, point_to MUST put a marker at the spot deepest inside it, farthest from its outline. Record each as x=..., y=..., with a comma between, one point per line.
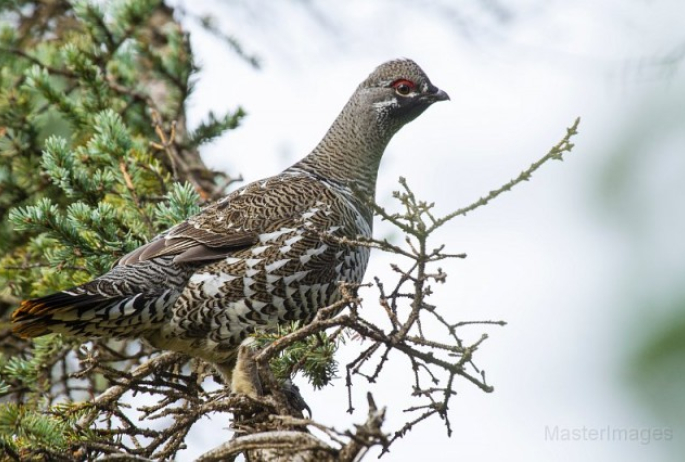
x=81, y=187
x=120, y=165
x=555, y=153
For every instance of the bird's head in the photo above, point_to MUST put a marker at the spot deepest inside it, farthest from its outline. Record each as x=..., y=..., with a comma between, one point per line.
x=396, y=93
x=393, y=95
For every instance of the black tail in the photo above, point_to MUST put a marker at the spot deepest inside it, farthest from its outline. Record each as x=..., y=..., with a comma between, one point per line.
x=80, y=313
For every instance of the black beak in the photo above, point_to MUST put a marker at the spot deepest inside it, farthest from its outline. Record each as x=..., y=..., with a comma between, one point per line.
x=435, y=94
x=441, y=96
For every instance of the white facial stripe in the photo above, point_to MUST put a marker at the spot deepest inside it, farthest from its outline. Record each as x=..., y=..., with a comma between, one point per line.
x=382, y=104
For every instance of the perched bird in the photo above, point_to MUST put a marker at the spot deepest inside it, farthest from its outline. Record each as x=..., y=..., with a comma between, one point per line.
x=264, y=255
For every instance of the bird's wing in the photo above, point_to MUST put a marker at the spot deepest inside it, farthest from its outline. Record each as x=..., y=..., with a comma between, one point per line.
x=191, y=244
x=233, y=223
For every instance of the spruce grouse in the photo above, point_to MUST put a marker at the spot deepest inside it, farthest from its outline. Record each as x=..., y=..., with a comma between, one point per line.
x=258, y=257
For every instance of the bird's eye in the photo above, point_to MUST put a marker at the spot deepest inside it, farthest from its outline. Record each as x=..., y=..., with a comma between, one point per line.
x=403, y=86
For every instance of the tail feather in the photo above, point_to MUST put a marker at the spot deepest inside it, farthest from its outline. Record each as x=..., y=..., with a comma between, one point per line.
x=88, y=314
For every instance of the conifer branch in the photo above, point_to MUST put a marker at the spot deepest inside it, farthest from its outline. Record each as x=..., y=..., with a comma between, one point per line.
x=555, y=153
x=124, y=168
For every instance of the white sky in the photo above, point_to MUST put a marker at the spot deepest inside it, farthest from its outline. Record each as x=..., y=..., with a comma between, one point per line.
x=547, y=257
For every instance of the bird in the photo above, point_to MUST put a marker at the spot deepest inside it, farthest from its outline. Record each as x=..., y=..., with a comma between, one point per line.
x=267, y=254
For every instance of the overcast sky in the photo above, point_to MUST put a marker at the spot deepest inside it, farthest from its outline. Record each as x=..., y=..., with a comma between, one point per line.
x=557, y=257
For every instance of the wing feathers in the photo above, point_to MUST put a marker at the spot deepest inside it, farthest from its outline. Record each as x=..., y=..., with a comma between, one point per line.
x=191, y=244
